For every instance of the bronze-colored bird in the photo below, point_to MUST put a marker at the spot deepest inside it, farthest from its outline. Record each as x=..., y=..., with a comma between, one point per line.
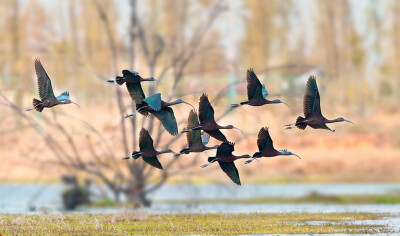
x=47, y=98
x=312, y=110
x=147, y=151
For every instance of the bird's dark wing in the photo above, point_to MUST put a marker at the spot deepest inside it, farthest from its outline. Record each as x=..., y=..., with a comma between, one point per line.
x=225, y=149
x=254, y=87
x=136, y=92
x=206, y=111
x=167, y=118
x=217, y=134
x=145, y=140
x=264, y=140
x=132, y=75
x=230, y=169
x=153, y=161
x=44, y=82
x=193, y=137
x=311, y=98
x=154, y=101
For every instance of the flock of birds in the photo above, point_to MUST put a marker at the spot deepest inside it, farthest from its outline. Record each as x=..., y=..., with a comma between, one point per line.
x=197, y=122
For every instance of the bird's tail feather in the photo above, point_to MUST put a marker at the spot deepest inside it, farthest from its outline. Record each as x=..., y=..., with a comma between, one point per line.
x=300, y=123
x=257, y=154
x=120, y=80
x=185, y=151
x=240, y=104
x=36, y=105
x=136, y=155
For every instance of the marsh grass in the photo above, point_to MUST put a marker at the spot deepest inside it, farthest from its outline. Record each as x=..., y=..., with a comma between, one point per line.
x=313, y=197
x=182, y=224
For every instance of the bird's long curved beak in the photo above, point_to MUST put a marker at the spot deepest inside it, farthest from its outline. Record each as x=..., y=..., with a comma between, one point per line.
x=189, y=104
x=238, y=129
x=76, y=104
x=156, y=80
x=348, y=121
x=296, y=155
x=111, y=81
x=285, y=104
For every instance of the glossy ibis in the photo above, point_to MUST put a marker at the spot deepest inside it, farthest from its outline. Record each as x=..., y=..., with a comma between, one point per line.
x=47, y=98
x=161, y=110
x=194, y=138
x=266, y=147
x=207, y=121
x=256, y=93
x=225, y=159
x=131, y=77
x=312, y=110
x=147, y=151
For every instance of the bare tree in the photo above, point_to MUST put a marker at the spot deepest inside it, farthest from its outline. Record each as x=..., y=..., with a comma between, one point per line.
x=96, y=157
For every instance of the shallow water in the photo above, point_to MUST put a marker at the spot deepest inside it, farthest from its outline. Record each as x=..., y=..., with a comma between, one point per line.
x=30, y=198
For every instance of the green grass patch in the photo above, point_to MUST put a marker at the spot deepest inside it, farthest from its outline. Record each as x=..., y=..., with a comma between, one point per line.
x=181, y=224
x=313, y=197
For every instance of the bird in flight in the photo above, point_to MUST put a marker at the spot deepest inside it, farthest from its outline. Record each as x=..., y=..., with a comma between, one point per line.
x=266, y=147
x=256, y=93
x=312, y=110
x=47, y=98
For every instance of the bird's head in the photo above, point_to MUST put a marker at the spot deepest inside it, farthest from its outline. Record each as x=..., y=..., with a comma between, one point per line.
x=233, y=127
x=177, y=101
x=288, y=153
x=279, y=101
x=156, y=80
x=343, y=119
x=68, y=101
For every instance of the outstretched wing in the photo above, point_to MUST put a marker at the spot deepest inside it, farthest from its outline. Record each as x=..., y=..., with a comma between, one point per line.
x=167, y=118
x=254, y=87
x=230, y=169
x=217, y=134
x=136, y=92
x=154, y=101
x=206, y=111
x=145, y=140
x=153, y=161
x=44, y=82
x=132, y=75
x=264, y=140
x=193, y=137
x=225, y=149
x=311, y=104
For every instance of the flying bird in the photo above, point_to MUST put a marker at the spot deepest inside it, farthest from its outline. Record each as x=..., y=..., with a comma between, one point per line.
x=147, y=151
x=194, y=138
x=158, y=108
x=47, y=98
x=207, y=121
x=226, y=159
x=312, y=110
x=256, y=93
x=130, y=77
x=266, y=147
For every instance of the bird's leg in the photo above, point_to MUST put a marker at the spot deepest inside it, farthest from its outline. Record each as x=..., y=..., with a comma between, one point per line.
x=135, y=112
x=190, y=130
x=205, y=165
x=291, y=126
x=30, y=109
x=210, y=162
x=250, y=160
